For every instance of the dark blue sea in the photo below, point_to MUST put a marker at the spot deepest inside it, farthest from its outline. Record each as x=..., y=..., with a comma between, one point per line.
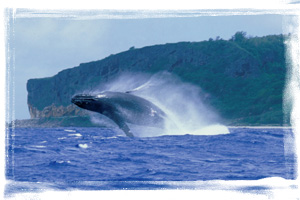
x=102, y=159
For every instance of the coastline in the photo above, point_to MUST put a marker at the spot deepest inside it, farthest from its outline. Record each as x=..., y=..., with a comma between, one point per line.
x=262, y=127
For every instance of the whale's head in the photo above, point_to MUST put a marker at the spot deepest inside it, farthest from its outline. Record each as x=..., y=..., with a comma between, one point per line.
x=89, y=102
x=82, y=100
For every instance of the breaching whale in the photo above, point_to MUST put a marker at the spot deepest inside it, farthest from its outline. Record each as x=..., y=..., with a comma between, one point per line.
x=122, y=108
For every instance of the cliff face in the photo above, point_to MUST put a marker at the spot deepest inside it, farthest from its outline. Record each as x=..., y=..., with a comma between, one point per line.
x=55, y=111
x=224, y=69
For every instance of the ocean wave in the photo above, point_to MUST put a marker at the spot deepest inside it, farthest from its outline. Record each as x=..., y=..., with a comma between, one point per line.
x=83, y=146
x=75, y=134
x=70, y=130
x=59, y=163
x=245, y=154
x=38, y=146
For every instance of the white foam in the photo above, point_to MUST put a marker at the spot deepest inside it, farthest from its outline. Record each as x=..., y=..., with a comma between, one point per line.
x=142, y=131
x=216, y=129
x=76, y=135
x=69, y=130
x=39, y=146
x=112, y=137
x=84, y=146
x=61, y=161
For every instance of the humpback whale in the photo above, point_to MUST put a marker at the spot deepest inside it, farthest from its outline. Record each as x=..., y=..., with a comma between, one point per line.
x=122, y=108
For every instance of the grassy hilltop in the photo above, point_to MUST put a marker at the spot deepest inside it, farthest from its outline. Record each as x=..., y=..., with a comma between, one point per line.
x=244, y=76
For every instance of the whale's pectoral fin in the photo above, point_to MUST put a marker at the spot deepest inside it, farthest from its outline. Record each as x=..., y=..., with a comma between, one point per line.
x=122, y=125
x=126, y=129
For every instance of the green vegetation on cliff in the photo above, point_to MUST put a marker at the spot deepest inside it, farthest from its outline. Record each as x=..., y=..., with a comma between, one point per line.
x=244, y=76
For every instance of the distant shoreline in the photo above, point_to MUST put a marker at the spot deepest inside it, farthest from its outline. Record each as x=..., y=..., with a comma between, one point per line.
x=261, y=127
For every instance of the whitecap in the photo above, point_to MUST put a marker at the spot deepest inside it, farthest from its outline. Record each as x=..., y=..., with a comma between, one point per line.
x=97, y=137
x=75, y=134
x=112, y=137
x=84, y=146
x=38, y=146
x=109, y=137
x=61, y=161
x=69, y=130
x=215, y=129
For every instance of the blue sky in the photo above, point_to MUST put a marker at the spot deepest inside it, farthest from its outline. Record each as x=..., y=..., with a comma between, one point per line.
x=45, y=46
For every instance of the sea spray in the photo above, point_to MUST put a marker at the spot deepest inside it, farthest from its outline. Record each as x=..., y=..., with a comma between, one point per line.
x=102, y=120
x=182, y=102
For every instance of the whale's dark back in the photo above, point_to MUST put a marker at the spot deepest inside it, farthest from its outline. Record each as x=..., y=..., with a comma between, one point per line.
x=122, y=108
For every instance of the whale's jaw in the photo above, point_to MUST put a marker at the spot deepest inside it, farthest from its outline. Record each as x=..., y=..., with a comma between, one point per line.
x=82, y=99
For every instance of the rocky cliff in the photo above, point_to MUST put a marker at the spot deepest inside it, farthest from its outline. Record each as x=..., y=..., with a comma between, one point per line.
x=245, y=77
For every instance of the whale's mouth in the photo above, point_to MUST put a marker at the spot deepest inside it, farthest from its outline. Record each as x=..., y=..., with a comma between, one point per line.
x=82, y=99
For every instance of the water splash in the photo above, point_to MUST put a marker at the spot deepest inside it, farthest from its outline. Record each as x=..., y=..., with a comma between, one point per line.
x=182, y=102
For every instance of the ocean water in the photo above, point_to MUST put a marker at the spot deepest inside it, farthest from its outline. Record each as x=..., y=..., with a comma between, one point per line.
x=103, y=159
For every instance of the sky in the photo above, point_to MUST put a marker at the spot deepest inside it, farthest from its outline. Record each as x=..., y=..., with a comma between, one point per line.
x=44, y=46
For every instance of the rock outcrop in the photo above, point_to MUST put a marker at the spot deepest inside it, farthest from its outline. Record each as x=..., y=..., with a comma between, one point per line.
x=56, y=111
